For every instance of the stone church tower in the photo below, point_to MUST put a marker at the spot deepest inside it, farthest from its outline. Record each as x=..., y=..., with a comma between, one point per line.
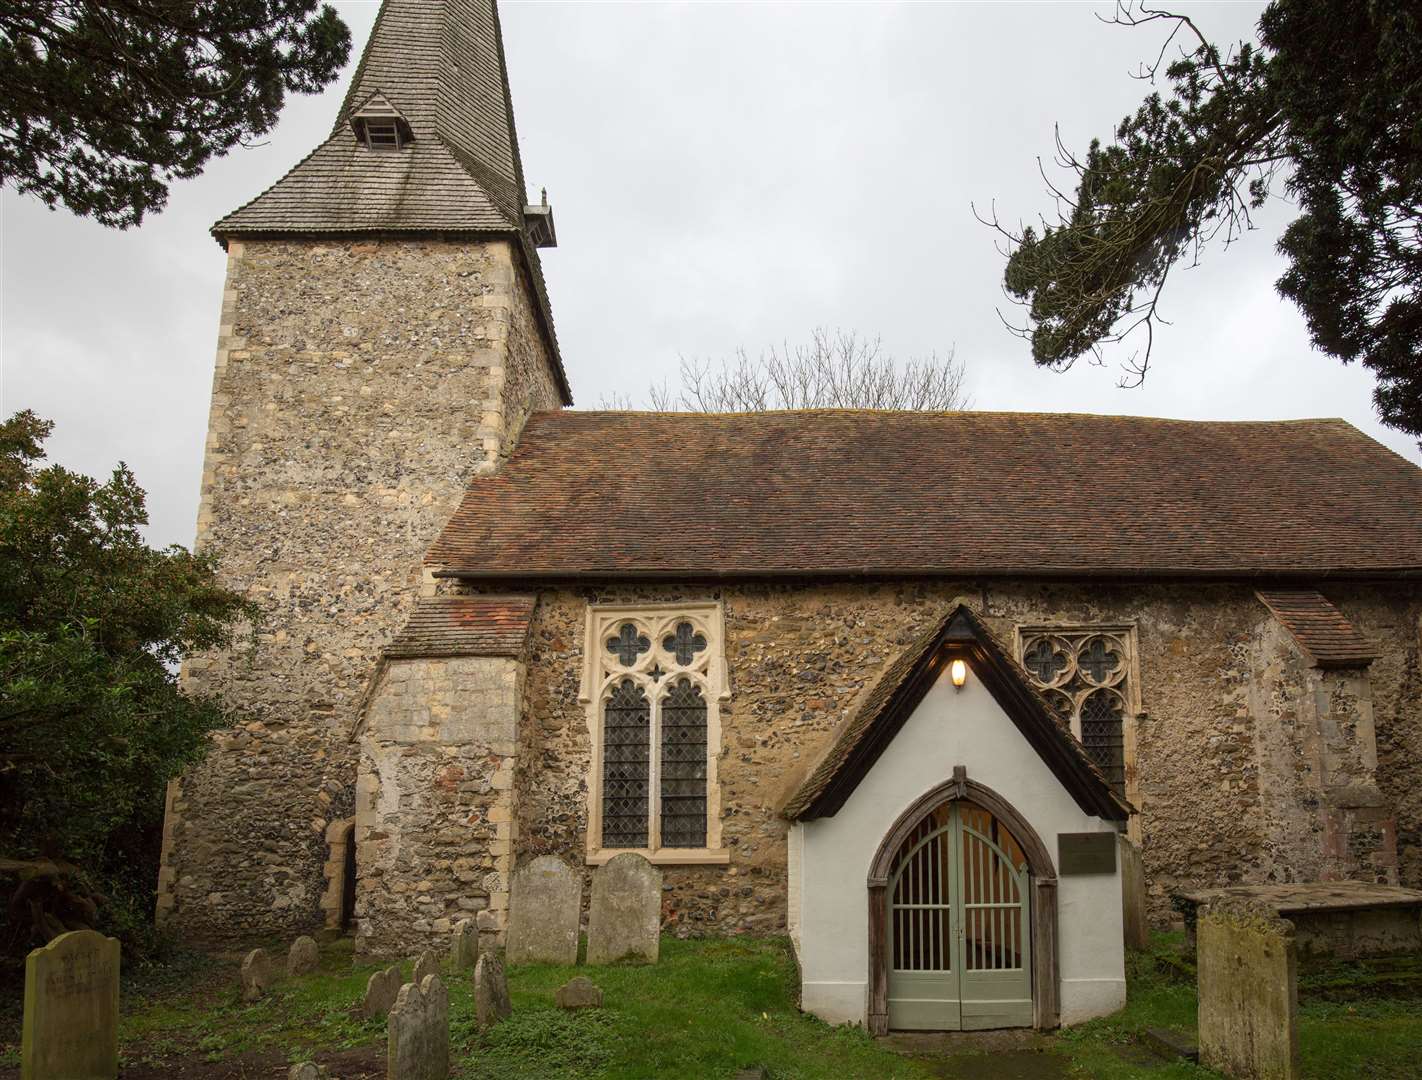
x=385, y=333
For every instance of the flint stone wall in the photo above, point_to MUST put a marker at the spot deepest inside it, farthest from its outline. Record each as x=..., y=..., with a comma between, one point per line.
x=1208, y=747
x=357, y=387
x=434, y=812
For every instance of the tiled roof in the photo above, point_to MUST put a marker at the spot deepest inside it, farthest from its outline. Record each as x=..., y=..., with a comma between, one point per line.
x=1321, y=630
x=440, y=64
x=597, y=494
x=886, y=705
x=465, y=626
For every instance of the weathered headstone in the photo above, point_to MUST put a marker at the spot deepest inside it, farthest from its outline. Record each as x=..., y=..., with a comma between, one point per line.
x=307, y=1070
x=257, y=975
x=71, y=1009
x=381, y=989
x=427, y=964
x=464, y=953
x=578, y=993
x=545, y=904
x=303, y=956
x=491, y=991
x=1248, y=988
x=417, y=1032
x=625, y=919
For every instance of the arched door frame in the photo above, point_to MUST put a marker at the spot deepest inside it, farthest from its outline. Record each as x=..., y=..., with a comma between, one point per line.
x=1043, y=877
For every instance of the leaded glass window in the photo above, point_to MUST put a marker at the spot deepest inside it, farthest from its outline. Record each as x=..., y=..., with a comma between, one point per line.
x=626, y=765
x=1084, y=674
x=684, y=766
x=659, y=675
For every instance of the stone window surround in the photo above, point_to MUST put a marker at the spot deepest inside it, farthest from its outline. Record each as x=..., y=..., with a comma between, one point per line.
x=1129, y=689
x=600, y=671
x=338, y=835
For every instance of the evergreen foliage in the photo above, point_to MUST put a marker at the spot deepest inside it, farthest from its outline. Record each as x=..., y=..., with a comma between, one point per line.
x=1325, y=108
x=93, y=624
x=104, y=102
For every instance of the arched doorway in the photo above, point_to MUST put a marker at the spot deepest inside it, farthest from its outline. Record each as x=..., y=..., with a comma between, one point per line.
x=962, y=917
x=959, y=928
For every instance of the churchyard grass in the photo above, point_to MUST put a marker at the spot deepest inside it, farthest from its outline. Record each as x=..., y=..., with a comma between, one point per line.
x=708, y=1008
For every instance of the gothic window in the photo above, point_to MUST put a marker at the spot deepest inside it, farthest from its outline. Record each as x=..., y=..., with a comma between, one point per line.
x=1084, y=673
x=653, y=679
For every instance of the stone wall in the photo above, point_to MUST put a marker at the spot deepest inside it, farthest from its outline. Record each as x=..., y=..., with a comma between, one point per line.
x=435, y=801
x=799, y=655
x=357, y=386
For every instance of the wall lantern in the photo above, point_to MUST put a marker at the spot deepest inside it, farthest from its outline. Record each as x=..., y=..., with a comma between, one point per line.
x=958, y=672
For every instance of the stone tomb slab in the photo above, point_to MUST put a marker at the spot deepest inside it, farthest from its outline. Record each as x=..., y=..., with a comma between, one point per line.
x=625, y=920
x=71, y=1009
x=1345, y=920
x=417, y=1032
x=545, y=905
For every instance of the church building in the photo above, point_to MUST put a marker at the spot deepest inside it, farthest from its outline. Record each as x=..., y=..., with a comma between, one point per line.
x=949, y=699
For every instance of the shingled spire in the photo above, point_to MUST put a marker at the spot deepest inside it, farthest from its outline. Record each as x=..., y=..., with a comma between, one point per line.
x=437, y=66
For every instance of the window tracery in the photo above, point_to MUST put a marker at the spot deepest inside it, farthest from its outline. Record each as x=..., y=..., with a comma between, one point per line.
x=653, y=680
x=1085, y=675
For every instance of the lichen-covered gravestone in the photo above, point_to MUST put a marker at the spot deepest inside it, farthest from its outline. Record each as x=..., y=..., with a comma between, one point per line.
x=417, y=1032
x=625, y=919
x=545, y=903
x=1248, y=988
x=381, y=989
x=303, y=957
x=256, y=974
x=427, y=964
x=464, y=952
x=307, y=1070
x=491, y=991
x=71, y=1009
x=578, y=993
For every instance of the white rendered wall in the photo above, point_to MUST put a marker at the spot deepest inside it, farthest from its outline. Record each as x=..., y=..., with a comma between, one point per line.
x=950, y=727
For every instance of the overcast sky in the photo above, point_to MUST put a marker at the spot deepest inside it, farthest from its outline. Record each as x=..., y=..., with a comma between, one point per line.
x=721, y=175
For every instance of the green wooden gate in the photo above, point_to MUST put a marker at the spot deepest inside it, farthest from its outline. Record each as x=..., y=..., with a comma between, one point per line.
x=959, y=936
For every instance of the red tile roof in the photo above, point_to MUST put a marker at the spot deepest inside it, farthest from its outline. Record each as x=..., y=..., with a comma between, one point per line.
x=465, y=626
x=1321, y=630
x=599, y=494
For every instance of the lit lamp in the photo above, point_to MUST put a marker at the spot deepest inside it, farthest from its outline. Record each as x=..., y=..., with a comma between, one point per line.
x=958, y=672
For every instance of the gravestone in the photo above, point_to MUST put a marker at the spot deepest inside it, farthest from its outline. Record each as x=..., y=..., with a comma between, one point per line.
x=579, y=993
x=491, y=991
x=464, y=953
x=308, y=1070
x=427, y=964
x=625, y=919
x=1248, y=989
x=257, y=974
x=71, y=1009
x=545, y=904
x=303, y=957
x=417, y=1032
x=381, y=989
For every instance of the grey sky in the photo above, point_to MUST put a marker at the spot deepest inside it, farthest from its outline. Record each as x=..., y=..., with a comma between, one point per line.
x=722, y=174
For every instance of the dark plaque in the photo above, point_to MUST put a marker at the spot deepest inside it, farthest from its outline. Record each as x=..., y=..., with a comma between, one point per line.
x=1086, y=853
